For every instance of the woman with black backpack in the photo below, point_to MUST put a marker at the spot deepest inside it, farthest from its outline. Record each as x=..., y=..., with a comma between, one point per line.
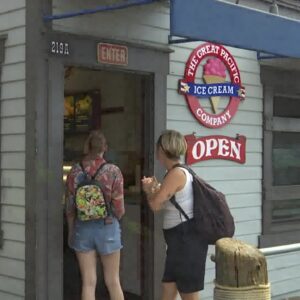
x=186, y=249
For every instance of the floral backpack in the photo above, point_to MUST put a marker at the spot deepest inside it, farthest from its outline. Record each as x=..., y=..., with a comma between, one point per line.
x=89, y=198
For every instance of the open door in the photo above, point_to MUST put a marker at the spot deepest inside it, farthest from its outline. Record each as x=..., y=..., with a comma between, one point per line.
x=118, y=104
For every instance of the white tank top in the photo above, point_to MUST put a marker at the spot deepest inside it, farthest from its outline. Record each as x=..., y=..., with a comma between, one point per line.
x=184, y=197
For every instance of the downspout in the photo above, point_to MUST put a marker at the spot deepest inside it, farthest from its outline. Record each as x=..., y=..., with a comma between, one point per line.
x=2, y=50
x=102, y=8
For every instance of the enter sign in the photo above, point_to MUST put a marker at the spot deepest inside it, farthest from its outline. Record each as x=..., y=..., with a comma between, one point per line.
x=112, y=54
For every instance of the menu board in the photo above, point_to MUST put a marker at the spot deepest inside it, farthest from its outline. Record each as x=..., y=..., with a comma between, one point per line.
x=81, y=112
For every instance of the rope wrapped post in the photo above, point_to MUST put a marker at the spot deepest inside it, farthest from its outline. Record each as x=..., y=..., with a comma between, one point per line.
x=241, y=272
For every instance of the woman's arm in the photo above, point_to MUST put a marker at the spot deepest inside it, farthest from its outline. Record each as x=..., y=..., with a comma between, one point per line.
x=117, y=193
x=172, y=183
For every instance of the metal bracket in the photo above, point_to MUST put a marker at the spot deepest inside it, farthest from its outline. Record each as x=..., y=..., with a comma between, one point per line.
x=262, y=55
x=178, y=40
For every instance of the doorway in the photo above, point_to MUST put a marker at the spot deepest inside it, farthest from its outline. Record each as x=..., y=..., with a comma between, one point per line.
x=116, y=102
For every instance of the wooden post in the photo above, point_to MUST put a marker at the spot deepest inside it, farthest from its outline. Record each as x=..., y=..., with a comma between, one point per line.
x=241, y=271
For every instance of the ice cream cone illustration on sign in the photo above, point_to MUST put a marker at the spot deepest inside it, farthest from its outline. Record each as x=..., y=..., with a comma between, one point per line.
x=214, y=72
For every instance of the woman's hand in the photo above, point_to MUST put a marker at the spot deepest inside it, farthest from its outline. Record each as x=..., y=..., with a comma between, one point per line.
x=150, y=185
x=158, y=194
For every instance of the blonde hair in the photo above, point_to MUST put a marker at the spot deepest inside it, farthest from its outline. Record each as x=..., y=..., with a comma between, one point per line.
x=95, y=143
x=172, y=143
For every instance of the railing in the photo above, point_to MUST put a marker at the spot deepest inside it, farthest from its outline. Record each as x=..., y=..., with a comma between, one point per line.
x=280, y=249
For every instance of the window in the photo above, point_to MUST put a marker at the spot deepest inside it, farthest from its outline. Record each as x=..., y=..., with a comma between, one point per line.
x=281, y=165
x=286, y=158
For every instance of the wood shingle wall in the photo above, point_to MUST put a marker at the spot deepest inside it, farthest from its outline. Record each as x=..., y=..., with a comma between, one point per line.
x=12, y=255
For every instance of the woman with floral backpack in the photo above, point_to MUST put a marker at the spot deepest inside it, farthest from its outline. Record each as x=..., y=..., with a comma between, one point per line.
x=94, y=205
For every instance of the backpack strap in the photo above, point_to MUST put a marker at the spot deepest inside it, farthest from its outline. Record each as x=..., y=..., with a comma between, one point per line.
x=97, y=171
x=81, y=166
x=185, y=167
x=173, y=199
x=176, y=204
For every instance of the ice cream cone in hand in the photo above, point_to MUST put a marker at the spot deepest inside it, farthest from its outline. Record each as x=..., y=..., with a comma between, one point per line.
x=150, y=185
x=214, y=72
x=155, y=186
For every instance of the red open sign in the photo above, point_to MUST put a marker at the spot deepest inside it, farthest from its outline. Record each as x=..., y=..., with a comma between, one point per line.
x=215, y=147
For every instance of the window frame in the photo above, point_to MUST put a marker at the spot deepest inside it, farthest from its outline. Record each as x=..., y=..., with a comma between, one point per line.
x=277, y=82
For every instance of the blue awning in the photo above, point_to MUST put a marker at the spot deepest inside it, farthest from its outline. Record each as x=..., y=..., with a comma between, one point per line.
x=233, y=25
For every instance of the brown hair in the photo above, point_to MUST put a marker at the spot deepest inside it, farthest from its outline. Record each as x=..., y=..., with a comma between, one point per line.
x=172, y=143
x=95, y=143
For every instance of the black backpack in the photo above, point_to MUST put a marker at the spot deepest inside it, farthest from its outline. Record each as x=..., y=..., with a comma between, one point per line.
x=211, y=213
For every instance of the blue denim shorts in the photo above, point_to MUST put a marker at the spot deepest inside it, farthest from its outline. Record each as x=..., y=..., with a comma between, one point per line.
x=95, y=235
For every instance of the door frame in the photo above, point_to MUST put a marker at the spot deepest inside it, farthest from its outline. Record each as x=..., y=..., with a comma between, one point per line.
x=83, y=51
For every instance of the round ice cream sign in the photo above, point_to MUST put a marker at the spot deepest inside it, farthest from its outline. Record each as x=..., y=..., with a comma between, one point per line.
x=215, y=97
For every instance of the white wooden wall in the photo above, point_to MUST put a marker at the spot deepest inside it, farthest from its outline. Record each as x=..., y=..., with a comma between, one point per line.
x=149, y=24
x=284, y=275
x=145, y=23
x=12, y=256
x=284, y=269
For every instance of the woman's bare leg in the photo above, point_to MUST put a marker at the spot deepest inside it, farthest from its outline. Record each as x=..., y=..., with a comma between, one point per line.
x=111, y=267
x=88, y=266
x=190, y=296
x=169, y=291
